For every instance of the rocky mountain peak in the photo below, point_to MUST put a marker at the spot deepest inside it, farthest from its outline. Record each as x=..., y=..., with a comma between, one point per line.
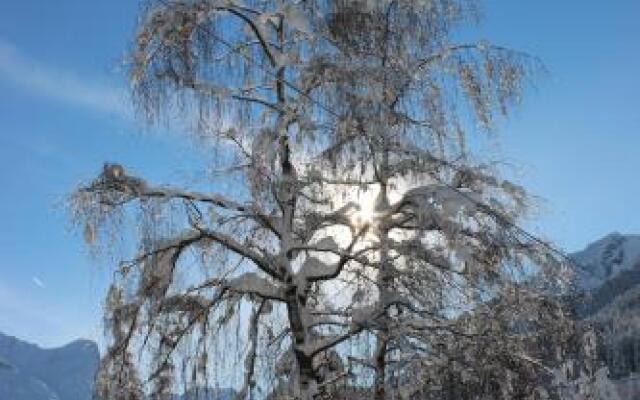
x=607, y=258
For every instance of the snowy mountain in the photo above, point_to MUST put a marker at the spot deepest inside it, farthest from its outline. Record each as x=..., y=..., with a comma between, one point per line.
x=610, y=270
x=607, y=259
x=28, y=372
x=610, y=278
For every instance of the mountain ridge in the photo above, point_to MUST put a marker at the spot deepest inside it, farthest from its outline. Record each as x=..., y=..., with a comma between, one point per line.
x=34, y=373
x=608, y=269
x=606, y=258
x=609, y=278
x=31, y=372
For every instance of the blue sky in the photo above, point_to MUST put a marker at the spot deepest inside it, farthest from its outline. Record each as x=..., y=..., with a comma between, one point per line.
x=63, y=112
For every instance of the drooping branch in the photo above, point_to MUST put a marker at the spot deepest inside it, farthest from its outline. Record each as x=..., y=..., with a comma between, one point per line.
x=250, y=359
x=115, y=188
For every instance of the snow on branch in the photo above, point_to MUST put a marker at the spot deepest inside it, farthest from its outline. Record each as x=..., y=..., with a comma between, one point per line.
x=114, y=189
x=265, y=262
x=313, y=269
x=252, y=284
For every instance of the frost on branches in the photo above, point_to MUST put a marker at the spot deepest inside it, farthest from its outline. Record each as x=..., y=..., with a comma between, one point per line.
x=363, y=251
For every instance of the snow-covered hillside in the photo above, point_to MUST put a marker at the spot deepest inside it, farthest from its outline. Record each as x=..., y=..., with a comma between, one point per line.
x=609, y=271
x=607, y=258
x=610, y=277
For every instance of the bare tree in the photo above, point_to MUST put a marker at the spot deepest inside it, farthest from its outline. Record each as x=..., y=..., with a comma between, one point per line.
x=358, y=217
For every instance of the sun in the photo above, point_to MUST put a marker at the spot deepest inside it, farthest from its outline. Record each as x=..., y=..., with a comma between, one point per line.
x=366, y=213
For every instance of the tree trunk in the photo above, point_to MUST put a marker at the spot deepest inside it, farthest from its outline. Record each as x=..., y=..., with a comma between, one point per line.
x=307, y=377
x=385, y=280
x=379, y=363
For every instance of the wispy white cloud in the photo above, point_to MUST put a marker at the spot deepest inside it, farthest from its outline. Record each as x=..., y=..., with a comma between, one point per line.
x=59, y=85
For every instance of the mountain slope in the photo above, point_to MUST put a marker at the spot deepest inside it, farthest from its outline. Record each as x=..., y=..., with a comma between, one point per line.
x=610, y=279
x=16, y=385
x=610, y=267
x=607, y=258
x=28, y=372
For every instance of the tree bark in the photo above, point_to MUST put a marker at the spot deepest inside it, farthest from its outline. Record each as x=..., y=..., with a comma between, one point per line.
x=380, y=363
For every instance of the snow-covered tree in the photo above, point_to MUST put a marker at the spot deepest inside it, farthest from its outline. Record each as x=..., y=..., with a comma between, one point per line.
x=117, y=377
x=363, y=245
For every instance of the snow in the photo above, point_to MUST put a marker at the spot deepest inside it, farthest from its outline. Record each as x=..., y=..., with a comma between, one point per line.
x=252, y=283
x=606, y=258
